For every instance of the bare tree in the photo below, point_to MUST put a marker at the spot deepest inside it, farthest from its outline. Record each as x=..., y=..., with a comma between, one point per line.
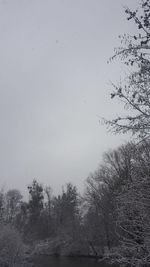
x=134, y=91
x=13, y=200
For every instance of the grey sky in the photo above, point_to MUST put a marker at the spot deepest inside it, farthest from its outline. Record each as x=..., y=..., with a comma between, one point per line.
x=54, y=82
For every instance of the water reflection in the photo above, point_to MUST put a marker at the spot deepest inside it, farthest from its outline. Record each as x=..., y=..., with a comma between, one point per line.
x=46, y=261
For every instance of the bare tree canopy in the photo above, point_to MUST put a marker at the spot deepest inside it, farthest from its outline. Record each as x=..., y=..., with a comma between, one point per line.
x=134, y=91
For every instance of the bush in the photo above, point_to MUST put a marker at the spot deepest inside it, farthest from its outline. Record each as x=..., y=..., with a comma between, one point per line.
x=11, y=247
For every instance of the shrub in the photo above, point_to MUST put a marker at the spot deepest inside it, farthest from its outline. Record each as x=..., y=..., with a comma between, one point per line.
x=11, y=247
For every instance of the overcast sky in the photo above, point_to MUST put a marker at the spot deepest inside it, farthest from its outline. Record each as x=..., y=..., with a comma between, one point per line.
x=54, y=83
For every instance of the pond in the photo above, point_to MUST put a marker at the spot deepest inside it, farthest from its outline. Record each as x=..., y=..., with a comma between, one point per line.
x=47, y=261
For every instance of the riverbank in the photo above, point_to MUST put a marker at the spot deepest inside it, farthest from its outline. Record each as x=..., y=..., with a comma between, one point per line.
x=57, y=250
x=67, y=247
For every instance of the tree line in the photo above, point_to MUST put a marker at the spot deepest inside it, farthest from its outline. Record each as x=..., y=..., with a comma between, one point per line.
x=112, y=216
